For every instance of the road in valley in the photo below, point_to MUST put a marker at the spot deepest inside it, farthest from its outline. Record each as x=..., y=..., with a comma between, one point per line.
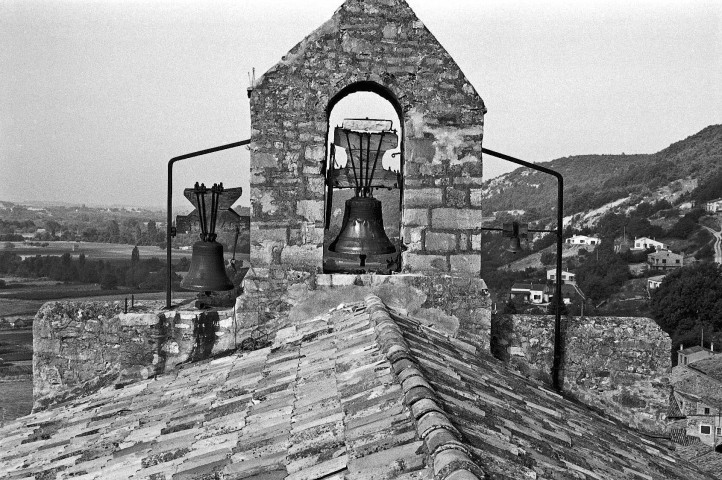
x=717, y=244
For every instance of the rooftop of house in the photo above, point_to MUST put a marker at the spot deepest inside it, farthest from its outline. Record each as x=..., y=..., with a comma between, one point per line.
x=656, y=278
x=663, y=253
x=528, y=286
x=695, y=349
x=712, y=366
x=362, y=391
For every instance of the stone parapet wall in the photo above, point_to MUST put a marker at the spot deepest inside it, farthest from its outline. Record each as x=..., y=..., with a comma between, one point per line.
x=79, y=347
x=619, y=365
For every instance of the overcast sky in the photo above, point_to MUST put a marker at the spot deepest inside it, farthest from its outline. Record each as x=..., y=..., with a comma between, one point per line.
x=97, y=96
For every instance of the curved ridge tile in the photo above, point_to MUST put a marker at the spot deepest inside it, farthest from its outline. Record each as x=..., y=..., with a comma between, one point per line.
x=449, y=457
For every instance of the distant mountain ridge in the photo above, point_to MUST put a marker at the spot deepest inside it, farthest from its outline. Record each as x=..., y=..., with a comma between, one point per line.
x=591, y=181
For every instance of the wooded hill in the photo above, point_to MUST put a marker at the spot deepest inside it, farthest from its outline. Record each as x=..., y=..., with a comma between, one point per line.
x=592, y=181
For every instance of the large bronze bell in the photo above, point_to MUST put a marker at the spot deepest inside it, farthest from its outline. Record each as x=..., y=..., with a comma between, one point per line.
x=362, y=231
x=207, y=272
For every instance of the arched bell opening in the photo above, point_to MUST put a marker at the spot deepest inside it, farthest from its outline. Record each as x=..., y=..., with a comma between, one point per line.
x=363, y=174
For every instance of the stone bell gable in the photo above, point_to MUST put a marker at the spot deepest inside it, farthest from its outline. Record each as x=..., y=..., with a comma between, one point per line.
x=382, y=47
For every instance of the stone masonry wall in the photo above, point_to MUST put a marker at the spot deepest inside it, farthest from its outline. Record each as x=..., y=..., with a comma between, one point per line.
x=619, y=365
x=79, y=347
x=377, y=45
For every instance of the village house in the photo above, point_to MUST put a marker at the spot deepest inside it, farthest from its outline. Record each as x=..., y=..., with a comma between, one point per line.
x=570, y=294
x=528, y=292
x=654, y=282
x=693, y=354
x=538, y=294
x=664, y=260
x=696, y=400
x=566, y=276
x=643, y=243
x=713, y=206
x=583, y=240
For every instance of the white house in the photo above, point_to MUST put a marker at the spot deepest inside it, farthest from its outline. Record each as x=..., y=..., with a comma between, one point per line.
x=566, y=276
x=528, y=292
x=583, y=240
x=654, y=282
x=714, y=206
x=644, y=243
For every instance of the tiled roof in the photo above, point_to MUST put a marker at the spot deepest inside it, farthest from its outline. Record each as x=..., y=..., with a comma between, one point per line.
x=673, y=410
x=357, y=393
x=694, y=349
x=712, y=366
x=528, y=286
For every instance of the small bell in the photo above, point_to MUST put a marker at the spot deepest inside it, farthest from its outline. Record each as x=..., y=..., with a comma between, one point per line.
x=207, y=272
x=514, y=245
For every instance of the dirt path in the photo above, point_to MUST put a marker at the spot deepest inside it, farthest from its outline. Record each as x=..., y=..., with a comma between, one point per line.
x=717, y=244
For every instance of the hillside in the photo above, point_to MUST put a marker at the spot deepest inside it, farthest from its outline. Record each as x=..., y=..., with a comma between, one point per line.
x=592, y=181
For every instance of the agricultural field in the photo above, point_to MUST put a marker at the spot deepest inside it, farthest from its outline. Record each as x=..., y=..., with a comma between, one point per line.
x=16, y=369
x=91, y=250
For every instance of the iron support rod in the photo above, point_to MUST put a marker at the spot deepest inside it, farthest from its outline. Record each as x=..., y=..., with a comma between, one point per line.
x=169, y=228
x=557, y=362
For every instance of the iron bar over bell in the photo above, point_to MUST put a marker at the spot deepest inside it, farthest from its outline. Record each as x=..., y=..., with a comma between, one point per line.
x=170, y=229
x=207, y=272
x=362, y=232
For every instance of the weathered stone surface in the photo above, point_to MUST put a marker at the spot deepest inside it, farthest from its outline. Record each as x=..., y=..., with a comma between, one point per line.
x=461, y=218
x=425, y=263
x=423, y=197
x=417, y=217
x=440, y=242
x=465, y=264
x=79, y=347
x=136, y=319
x=618, y=364
x=311, y=210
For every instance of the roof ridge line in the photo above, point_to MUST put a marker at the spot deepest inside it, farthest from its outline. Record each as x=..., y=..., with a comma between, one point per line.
x=450, y=458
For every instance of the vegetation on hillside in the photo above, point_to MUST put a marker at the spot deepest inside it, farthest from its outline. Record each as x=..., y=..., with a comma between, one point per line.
x=689, y=303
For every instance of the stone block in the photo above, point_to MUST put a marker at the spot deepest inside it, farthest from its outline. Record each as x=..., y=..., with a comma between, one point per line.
x=468, y=180
x=466, y=264
x=263, y=160
x=440, y=242
x=311, y=210
x=424, y=263
x=266, y=252
x=476, y=242
x=416, y=217
x=455, y=197
x=138, y=319
x=315, y=186
x=475, y=196
x=456, y=218
x=309, y=255
x=423, y=197
x=274, y=234
x=315, y=153
x=412, y=237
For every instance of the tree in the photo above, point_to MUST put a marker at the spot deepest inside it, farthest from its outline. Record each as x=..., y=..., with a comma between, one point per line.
x=548, y=258
x=53, y=227
x=689, y=298
x=109, y=281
